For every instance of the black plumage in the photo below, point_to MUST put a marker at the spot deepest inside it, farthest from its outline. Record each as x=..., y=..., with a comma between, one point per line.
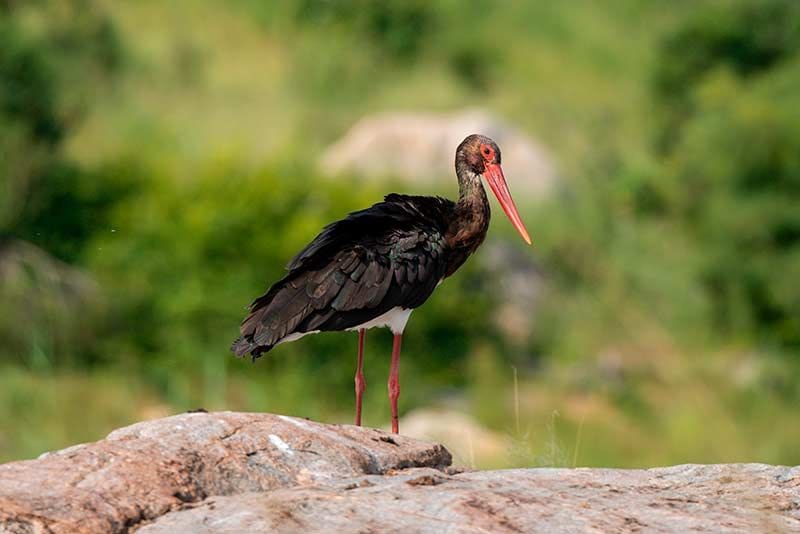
x=392, y=254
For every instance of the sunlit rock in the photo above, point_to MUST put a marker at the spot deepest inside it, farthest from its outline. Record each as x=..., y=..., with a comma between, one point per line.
x=419, y=147
x=244, y=472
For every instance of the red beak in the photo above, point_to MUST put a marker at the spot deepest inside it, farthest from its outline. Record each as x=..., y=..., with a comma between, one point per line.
x=497, y=181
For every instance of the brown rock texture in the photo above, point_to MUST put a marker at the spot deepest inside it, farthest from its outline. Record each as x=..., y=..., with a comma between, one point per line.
x=235, y=472
x=141, y=472
x=689, y=498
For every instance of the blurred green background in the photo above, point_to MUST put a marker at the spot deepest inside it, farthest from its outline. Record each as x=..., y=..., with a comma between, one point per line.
x=158, y=169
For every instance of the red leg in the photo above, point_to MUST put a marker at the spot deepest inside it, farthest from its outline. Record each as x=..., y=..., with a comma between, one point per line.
x=361, y=384
x=394, y=380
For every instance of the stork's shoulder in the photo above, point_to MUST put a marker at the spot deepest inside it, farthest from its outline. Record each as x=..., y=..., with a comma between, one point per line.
x=397, y=212
x=436, y=210
x=396, y=219
x=419, y=201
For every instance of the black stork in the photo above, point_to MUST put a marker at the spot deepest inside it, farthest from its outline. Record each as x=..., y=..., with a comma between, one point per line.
x=375, y=266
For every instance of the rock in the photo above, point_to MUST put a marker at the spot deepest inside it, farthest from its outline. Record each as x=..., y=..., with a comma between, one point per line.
x=40, y=293
x=421, y=146
x=519, y=281
x=143, y=471
x=469, y=442
x=235, y=472
x=689, y=498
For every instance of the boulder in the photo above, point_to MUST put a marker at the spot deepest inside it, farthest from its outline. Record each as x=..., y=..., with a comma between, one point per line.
x=468, y=441
x=420, y=147
x=240, y=472
x=144, y=471
x=689, y=498
x=520, y=284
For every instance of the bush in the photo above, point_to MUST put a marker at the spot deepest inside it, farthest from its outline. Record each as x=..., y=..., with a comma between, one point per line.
x=727, y=87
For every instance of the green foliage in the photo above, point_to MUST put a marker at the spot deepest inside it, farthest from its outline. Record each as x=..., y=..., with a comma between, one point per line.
x=28, y=115
x=745, y=198
x=45, y=198
x=397, y=27
x=746, y=37
x=667, y=325
x=28, y=93
x=40, y=55
x=38, y=410
x=727, y=85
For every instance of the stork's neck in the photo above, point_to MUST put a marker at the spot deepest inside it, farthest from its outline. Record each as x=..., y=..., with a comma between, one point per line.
x=471, y=217
x=471, y=194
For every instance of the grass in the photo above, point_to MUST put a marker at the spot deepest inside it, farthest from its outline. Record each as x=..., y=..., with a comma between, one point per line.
x=44, y=411
x=551, y=418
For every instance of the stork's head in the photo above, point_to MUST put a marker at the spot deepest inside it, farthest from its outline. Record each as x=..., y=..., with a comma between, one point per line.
x=477, y=155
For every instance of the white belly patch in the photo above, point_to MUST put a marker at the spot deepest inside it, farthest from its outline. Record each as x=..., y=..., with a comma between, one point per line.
x=395, y=319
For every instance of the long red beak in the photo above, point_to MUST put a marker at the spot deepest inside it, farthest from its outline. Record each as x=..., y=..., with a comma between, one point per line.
x=497, y=181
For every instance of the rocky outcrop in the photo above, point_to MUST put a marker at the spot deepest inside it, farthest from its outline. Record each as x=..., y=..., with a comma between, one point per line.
x=421, y=146
x=139, y=473
x=691, y=498
x=233, y=472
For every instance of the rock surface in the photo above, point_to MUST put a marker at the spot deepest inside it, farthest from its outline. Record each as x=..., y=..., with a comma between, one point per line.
x=141, y=472
x=421, y=146
x=234, y=472
x=690, y=498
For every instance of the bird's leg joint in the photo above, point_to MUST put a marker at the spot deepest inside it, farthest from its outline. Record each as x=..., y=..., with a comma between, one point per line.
x=361, y=384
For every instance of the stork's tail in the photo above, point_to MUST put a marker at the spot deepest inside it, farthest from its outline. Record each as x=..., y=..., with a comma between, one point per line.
x=245, y=344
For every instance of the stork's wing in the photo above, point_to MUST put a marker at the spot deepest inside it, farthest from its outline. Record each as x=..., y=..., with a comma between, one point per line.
x=356, y=269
